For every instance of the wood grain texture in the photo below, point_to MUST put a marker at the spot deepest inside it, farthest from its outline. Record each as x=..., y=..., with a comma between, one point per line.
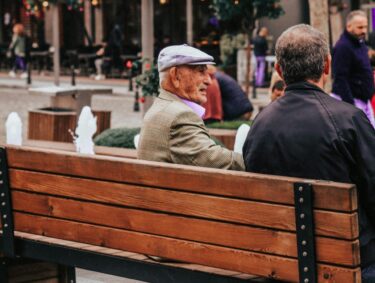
x=236, y=236
x=220, y=257
x=100, y=150
x=52, y=126
x=240, y=211
x=328, y=195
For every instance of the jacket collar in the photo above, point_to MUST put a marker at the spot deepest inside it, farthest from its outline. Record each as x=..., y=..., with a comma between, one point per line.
x=303, y=86
x=198, y=109
x=353, y=39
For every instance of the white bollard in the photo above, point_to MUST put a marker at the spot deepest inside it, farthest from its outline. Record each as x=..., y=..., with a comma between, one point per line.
x=85, y=130
x=241, y=135
x=13, y=127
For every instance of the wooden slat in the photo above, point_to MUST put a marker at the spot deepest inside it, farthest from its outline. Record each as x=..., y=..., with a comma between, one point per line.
x=142, y=257
x=327, y=195
x=249, y=238
x=220, y=257
x=204, y=206
x=100, y=150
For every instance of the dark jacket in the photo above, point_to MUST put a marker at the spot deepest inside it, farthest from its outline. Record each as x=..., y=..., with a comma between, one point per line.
x=308, y=134
x=351, y=69
x=260, y=46
x=234, y=99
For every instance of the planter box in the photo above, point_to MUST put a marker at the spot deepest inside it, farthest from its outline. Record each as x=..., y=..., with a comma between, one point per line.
x=56, y=124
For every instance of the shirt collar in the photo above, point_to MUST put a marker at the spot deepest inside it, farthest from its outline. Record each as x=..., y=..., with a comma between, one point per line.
x=199, y=110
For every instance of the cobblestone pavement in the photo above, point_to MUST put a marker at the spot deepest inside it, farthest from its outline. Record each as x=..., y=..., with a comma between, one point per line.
x=18, y=100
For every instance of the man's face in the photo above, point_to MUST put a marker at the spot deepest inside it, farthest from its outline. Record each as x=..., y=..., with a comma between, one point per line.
x=358, y=27
x=194, y=81
x=276, y=94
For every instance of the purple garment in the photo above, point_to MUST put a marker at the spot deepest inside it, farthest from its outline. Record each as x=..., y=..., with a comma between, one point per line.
x=365, y=107
x=20, y=63
x=351, y=69
x=199, y=110
x=261, y=68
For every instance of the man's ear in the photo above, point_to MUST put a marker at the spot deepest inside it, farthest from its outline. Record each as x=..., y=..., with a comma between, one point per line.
x=278, y=70
x=173, y=74
x=327, y=64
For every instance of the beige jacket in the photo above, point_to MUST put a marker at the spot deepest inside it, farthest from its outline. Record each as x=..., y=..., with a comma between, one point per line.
x=172, y=132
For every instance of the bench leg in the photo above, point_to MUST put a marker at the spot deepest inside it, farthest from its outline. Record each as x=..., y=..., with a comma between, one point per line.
x=67, y=274
x=3, y=270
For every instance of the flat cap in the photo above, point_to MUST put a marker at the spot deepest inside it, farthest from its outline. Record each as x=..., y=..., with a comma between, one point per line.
x=184, y=54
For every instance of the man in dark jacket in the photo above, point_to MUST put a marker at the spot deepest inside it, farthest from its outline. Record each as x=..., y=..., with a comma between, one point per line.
x=353, y=79
x=236, y=104
x=308, y=134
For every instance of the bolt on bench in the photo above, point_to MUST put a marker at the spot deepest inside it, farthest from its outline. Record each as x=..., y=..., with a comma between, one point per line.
x=106, y=213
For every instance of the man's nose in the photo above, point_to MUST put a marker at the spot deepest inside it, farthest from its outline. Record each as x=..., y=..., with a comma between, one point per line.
x=207, y=79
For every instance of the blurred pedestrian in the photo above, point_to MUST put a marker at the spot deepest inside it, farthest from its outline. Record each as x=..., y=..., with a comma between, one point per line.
x=278, y=90
x=213, y=105
x=353, y=80
x=260, y=51
x=18, y=49
x=236, y=104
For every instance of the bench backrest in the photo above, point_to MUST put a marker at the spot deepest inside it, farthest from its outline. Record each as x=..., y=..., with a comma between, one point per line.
x=231, y=220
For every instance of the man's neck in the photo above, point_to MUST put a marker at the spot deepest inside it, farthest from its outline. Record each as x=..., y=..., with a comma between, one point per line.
x=319, y=83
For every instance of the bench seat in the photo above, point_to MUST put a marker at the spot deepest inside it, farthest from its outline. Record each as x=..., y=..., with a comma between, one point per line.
x=236, y=221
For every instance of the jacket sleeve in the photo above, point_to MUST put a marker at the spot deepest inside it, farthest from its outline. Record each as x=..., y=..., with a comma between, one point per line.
x=191, y=144
x=341, y=64
x=364, y=155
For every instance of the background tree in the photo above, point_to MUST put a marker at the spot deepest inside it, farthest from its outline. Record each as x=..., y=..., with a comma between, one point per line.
x=244, y=13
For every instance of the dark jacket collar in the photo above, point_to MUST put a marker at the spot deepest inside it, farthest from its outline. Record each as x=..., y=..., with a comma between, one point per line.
x=352, y=38
x=303, y=86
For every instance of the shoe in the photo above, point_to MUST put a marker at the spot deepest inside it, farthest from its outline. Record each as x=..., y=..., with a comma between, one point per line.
x=23, y=75
x=12, y=74
x=99, y=77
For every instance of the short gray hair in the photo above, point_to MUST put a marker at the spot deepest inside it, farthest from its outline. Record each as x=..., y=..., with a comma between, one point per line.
x=301, y=51
x=162, y=76
x=354, y=14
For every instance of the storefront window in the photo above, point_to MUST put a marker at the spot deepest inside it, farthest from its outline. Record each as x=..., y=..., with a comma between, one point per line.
x=126, y=17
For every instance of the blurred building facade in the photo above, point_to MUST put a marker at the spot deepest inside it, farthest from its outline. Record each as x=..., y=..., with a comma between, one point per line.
x=94, y=20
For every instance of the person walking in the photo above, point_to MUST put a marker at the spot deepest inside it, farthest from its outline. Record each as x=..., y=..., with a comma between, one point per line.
x=353, y=80
x=18, y=48
x=260, y=51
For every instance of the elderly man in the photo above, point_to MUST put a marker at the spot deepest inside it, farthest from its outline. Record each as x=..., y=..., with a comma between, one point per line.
x=353, y=79
x=173, y=130
x=308, y=134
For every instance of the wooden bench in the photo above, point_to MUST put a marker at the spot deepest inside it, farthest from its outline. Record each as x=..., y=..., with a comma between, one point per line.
x=106, y=213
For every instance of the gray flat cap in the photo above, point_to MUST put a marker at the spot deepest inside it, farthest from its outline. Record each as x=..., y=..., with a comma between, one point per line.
x=184, y=54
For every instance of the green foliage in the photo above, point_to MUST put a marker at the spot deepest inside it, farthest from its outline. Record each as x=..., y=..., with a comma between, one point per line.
x=229, y=44
x=148, y=81
x=123, y=137
x=118, y=137
x=246, y=11
x=228, y=125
